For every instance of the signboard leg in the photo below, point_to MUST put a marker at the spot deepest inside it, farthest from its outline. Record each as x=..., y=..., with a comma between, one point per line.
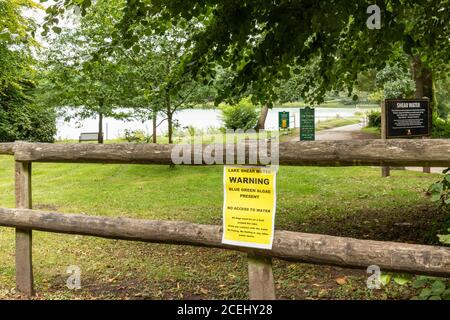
x=385, y=171
x=261, y=283
x=24, y=267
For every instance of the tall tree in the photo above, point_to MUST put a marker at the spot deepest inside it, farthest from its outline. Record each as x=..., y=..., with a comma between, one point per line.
x=83, y=87
x=16, y=42
x=20, y=117
x=79, y=87
x=157, y=59
x=151, y=62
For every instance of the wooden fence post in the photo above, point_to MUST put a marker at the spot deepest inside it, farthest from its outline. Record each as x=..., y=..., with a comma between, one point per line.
x=24, y=267
x=261, y=284
x=385, y=170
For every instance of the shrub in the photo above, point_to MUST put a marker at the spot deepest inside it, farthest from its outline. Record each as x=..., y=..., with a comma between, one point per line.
x=136, y=136
x=441, y=128
x=21, y=119
x=240, y=116
x=443, y=110
x=376, y=97
x=374, y=119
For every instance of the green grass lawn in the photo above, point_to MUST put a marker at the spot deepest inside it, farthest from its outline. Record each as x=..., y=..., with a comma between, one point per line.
x=347, y=201
x=372, y=130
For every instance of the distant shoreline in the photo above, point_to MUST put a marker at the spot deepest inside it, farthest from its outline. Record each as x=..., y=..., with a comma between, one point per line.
x=289, y=105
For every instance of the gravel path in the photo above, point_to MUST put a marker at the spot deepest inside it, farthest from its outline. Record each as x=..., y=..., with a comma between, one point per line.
x=349, y=132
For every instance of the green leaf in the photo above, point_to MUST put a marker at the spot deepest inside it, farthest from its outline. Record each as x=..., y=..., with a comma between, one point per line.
x=402, y=279
x=444, y=238
x=425, y=293
x=136, y=49
x=446, y=294
x=436, y=187
x=385, y=278
x=420, y=282
x=435, y=197
x=56, y=29
x=438, y=287
x=435, y=298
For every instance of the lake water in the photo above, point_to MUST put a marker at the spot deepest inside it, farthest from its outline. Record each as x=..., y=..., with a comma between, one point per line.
x=198, y=118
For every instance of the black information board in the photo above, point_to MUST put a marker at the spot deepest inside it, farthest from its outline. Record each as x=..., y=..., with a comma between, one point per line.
x=407, y=118
x=307, y=124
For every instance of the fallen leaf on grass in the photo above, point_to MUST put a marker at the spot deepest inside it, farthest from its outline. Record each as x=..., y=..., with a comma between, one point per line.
x=341, y=281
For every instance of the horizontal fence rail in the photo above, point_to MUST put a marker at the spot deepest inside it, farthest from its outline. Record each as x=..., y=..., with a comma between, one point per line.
x=7, y=148
x=395, y=152
x=287, y=245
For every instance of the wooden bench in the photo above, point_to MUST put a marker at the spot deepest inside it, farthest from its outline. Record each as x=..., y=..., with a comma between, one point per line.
x=88, y=136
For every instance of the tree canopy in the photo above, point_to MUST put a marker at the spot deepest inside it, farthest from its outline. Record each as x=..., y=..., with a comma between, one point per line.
x=20, y=117
x=16, y=42
x=93, y=70
x=266, y=41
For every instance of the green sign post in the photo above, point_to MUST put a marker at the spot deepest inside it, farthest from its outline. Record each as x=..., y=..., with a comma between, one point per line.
x=283, y=120
x=307, y=124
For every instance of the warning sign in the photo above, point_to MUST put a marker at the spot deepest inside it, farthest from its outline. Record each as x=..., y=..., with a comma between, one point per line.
x=249, y=206
x=283, y=120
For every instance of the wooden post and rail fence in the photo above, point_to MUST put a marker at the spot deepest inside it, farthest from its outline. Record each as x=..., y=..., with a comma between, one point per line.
x=287, y=245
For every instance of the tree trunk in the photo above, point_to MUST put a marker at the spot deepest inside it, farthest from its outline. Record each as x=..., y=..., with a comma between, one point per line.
x=169, y=118
x=154, y=117
x=424, y=88
x=100, y=127
x=262, y=118
x=423, y=79
x=170, y=129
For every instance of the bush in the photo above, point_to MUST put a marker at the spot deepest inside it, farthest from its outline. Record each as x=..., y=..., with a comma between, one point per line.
x=376, y=96
x=136, y=136
x=374, y=119
x=240, y=116
x=443, y=110
x=441, y=128
x=20, y=119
